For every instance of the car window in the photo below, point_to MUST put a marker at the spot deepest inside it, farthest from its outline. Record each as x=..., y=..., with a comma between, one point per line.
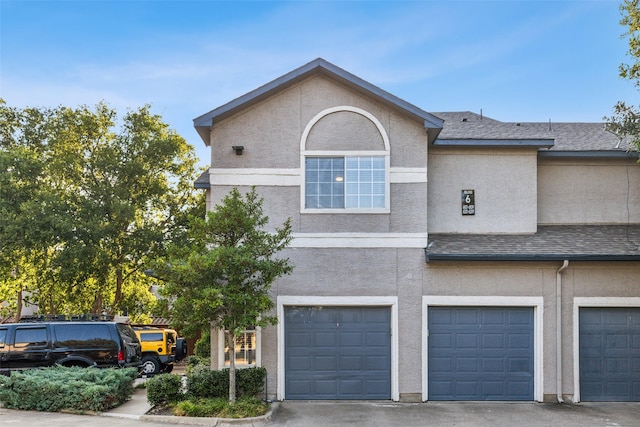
x=126, y=331
x=31, y=337
x=3, y=337
x=151, y=336
x=79, y=335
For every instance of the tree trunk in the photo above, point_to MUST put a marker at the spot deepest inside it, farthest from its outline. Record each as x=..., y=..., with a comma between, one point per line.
x=231, y=339
x=19, y=306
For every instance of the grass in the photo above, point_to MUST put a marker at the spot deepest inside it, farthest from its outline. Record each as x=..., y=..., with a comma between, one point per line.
x=221, y=408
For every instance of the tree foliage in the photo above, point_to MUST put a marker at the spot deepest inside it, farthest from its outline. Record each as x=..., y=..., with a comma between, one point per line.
x=86, y=199
x=625, y=121
x=222, y=279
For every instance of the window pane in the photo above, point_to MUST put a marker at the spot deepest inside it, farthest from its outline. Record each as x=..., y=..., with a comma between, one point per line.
x=325, y=185
x=377, y=163
x=365, y=177
x=311, y=163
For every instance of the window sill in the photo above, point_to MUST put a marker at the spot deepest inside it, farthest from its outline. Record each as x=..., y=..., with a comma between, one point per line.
x=345, y=211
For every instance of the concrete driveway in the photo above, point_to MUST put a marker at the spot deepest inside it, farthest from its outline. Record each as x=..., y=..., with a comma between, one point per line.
x=356, y=414
x=489, y=414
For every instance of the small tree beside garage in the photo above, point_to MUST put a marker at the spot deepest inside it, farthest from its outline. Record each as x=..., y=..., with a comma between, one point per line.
x=222, y=279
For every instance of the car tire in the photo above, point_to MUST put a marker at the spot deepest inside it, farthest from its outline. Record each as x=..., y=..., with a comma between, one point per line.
x=149, y=366
x=168, y=368
x=181, y=349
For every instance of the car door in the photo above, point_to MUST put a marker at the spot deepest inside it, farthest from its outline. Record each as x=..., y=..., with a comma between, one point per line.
x=4, y=348
x=30, y=347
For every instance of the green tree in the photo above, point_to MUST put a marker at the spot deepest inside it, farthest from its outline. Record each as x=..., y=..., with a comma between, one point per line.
x=86, y=199
x=222, y=279
x=625, y=121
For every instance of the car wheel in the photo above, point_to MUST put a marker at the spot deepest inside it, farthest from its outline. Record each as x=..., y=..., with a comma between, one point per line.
x=168, y=368
x=181, y=349
x=150, y=365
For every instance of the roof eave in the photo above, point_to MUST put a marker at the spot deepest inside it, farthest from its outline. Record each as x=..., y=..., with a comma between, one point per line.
x=599, y=154
x=494, y=143
x=529, y=257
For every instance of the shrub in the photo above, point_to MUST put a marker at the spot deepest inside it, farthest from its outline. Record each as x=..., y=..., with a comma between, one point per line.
x=205, y=383
x=250, y=381
x=75, y=389
x=212, y=384
x=163, y=389
x=198, y=363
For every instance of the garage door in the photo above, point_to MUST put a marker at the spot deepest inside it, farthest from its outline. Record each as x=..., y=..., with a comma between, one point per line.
x=610, y=354
x=337, y=353
x=480, y=353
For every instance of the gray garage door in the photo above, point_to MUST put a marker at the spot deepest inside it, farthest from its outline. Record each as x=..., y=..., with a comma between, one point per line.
x=480, y=353
x=337, y=353
x=610, y=354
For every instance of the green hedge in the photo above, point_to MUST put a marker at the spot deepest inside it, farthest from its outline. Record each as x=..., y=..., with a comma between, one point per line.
x=163, y=389
x=59, y=388
x=203, y=383
x=212, y=384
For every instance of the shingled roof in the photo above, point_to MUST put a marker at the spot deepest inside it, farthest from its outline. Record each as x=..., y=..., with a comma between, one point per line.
x=477, y=130
x=550, y=243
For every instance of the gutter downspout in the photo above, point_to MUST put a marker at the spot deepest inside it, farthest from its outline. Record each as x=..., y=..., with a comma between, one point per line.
x=565, y=264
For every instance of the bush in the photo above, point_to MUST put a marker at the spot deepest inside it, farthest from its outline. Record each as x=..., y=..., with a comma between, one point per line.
x=195, y=363
x=212, y=384
x=205, y=383
x=163, y=389
x=74, y=389
x=250, y=382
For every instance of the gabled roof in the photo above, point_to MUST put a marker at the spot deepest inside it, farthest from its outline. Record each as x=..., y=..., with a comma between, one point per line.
x=550, y=243
x=204, y=122
x=554, y=139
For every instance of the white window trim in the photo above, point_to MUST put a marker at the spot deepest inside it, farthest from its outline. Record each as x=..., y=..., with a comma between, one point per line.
x=390, y=301
x=486, y=301
x=304, y=153
x=579, y=302
x=221, y=345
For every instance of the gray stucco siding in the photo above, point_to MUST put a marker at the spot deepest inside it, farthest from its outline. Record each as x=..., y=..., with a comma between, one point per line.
x=271, y=130
x=588, y=191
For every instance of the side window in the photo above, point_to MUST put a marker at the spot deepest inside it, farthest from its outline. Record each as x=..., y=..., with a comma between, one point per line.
x=31, y=337
x=353, y=182
x=154, y=336
x=3, y=337
x=71, y=335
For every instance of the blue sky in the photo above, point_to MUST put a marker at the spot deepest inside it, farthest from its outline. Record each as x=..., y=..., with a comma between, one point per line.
x=515, y=60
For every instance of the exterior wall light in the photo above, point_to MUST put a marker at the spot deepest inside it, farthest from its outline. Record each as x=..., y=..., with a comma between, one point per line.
x=238, y=149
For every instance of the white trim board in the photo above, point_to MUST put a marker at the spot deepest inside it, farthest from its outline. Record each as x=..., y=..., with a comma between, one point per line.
x=289, y=300
x=487, y=301
x=359, y=240
x=292, y=177
x=579, y=302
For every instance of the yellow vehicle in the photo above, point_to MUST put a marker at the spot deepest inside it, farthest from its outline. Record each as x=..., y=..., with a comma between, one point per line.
x=161, y=348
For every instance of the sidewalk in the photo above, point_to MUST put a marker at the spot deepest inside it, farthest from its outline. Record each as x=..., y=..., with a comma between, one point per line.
x=137, y=407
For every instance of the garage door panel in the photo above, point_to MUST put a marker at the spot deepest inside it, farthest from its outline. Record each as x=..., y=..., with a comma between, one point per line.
x=609, y=367
x=350, y=351
x=491, y=349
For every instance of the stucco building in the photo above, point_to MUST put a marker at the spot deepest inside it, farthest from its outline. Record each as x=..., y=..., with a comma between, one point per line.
x=438, y=256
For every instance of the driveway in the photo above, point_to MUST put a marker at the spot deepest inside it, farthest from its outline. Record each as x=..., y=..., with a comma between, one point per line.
x=489, y=414
x=355, y=414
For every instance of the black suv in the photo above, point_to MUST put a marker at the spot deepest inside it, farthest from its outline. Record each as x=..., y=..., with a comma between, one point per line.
x=68, y=343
